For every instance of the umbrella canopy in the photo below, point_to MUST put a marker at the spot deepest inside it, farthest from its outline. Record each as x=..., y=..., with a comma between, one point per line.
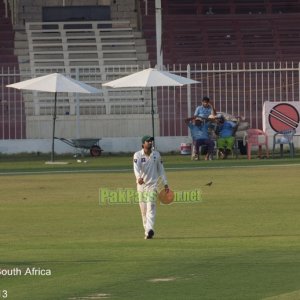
x=150, y=78
x=55, y=83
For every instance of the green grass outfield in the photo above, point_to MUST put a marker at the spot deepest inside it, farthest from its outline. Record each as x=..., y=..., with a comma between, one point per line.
x=241, y=242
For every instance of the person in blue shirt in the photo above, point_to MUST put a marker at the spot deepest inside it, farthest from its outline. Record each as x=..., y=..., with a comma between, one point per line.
x=200, y=136
x=225, y=131
x=205, y=110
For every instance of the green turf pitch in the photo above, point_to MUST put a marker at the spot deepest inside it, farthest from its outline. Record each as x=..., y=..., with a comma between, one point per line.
x=241, y=242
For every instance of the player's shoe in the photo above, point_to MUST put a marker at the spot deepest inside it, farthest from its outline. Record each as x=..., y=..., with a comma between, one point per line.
x=149, y=235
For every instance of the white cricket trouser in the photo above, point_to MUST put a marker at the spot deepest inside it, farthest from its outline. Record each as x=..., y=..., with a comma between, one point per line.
x=147, y=202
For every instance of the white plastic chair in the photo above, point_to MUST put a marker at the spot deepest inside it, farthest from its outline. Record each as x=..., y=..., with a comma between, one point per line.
x=285, y=137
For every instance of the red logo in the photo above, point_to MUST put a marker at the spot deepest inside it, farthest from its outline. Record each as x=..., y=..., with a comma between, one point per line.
x=284, y=117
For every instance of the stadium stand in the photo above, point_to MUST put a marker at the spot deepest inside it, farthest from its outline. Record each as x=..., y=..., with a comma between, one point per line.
x=209, y=35
x=99, y=45
x=244, y=32
x=224, y=31
x=89, y=49
x=12, y=116
x=89, y=44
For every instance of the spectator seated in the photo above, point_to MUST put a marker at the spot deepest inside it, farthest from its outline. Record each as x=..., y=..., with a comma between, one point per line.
x=200, y=135
x=225, y=136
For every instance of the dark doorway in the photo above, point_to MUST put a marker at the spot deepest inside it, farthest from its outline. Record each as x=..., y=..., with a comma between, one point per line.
x=76, y=13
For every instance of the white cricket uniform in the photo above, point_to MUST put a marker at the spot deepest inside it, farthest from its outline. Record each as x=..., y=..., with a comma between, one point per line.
x=151, y=169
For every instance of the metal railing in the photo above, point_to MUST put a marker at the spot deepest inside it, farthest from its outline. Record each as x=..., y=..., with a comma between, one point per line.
x=238, y=89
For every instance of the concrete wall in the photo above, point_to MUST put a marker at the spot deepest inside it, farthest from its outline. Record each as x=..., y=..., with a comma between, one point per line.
x=91, y=126
x=109, y=145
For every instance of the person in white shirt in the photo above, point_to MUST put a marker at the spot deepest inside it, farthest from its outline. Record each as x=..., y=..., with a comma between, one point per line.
x=148, y=170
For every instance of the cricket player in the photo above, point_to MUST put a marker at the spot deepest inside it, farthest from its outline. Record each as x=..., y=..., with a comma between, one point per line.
x=148, y=170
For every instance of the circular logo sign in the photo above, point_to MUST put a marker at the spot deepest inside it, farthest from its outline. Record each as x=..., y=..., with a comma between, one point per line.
x=283, y=117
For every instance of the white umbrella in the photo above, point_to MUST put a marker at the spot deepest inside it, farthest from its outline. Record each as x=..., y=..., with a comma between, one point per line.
x=55, y=83
x=150, y=78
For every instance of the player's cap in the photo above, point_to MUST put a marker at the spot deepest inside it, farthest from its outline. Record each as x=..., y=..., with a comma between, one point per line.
x=205, y=98
x=147, y=138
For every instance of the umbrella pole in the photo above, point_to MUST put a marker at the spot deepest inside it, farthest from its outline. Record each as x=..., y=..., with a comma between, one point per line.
x=152, y=113
x=53, y=128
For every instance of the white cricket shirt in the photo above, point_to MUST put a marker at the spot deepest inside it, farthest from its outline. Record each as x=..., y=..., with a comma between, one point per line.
x=150, y=168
